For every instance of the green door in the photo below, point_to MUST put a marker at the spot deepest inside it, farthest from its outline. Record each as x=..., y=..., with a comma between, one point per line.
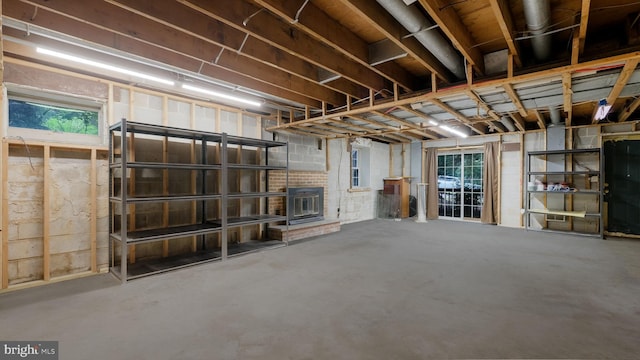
x=622, y=185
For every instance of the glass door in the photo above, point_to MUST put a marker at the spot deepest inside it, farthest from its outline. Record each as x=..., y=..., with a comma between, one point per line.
x=460, y=193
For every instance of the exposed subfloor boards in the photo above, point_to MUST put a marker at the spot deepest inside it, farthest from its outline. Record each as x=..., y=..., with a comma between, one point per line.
x=376, y=289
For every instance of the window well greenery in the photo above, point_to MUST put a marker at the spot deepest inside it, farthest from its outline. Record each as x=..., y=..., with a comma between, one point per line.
x=58, y=118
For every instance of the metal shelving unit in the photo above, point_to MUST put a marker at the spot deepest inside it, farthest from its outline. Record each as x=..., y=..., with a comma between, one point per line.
x=556, y=209
x=123, y=197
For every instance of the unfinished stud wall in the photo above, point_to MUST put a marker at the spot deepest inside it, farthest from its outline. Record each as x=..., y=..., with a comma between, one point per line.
x=55, y=221
x=510, y=180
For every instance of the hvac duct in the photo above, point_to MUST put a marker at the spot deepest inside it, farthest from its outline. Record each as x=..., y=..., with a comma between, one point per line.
x=537, y=14
x=554, y=114
x=412, y=19
x=508, y=123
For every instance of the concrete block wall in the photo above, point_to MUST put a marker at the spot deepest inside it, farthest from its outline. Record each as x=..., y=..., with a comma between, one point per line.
x=25, y=193
x=352, y=205
x=69, y=214
x=305, y=153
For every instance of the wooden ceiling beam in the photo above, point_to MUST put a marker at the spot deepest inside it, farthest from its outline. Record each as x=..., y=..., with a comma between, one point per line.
x=244, y=16
x=629, y=109
x=327, y=30
x=373, y=122
x=483, y=105
x=458, y=116
x=235, y=42
x=381, y=20
x=449, y=22
x=502, y=12
x=578, y=41
x=489, y=84
x=567, y=94
x=540, y=119
x=16, y=10
x=407, y=123
x=146, y=38
x=621, y=82
x=515, y=99
x=518, y=121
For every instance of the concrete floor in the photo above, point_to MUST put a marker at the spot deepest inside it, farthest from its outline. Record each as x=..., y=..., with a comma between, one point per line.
x=376, y=290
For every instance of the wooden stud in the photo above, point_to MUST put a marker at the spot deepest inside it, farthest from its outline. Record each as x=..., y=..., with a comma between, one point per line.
x=46, y=214
x=515, y=99
x=621, y=82
x=396, y=92
x=510, y=63
x=94, y=210
x=434, y=83
x=503, y=16
x=541, y=120
x=4, y=252
x=372, y=96
x=628, y=110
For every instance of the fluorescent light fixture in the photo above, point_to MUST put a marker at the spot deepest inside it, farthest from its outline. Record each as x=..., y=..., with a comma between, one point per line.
x=99, y=65
x=434, y=123
x=603, y=110
x=221, y=95
x=453, y=131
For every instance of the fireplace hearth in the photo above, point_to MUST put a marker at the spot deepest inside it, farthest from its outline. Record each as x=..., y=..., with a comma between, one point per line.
x=306, y=204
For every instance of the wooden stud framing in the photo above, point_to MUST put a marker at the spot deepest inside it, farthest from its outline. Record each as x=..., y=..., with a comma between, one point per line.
x=567, y=94
x=4, y=252
x=629, y=109
x=503, y=17
x=46, y=214
x=515, y=99
x=541, y=121
x=93, y=236
x=623, y=78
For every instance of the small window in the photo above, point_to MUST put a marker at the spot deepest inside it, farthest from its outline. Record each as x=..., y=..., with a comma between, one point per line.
x=41, y=115
x=355, y=168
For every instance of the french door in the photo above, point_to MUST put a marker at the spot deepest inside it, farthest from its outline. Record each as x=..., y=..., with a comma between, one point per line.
x=460, y=193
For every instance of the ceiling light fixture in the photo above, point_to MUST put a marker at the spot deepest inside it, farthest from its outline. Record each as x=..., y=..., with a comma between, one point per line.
x=603, y=110
x=221, y=95
x=453, y=131
x=434, y=123
x=103, y=66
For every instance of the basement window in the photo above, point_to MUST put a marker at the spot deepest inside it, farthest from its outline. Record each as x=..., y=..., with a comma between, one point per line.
x=360, y=167
x=56, y=117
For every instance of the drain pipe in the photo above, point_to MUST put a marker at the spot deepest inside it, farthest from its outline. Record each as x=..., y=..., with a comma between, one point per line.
x=537, y=14
x=412, y=19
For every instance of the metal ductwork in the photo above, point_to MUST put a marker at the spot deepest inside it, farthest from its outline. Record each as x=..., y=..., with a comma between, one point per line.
x=508, y=123
x=537, y=14
x=555, y=116
x=416, y=23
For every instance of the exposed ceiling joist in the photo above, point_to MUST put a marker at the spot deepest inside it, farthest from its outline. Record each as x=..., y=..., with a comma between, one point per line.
x=578, y=42
x=515, y=99
x=540, y=119
x=325, y=29
x=629, y=109
x=502, y=12
x=449, y=22
x=518, y=121
x=458, y=116
x=265, y=26
x=383, y=22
